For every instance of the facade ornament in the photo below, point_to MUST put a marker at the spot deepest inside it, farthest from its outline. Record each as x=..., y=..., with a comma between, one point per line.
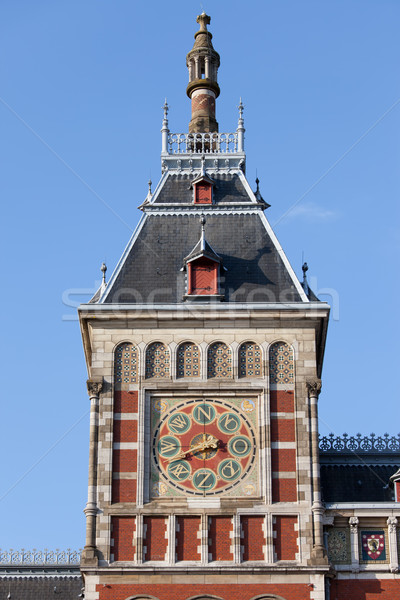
x=314, y=388
x=216, y=164
x=179, y=165
x=353, y=522
x=305, y=282
x=240, y=128
x=164, y=166
x=94, y=386
x=392, y=524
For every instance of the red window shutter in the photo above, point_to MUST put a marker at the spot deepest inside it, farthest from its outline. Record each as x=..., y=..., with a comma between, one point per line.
x=203, y=193
x=203, y=277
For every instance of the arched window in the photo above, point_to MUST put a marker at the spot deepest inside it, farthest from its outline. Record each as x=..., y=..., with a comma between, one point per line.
x=250, y=360
x=188, y=360
x=281, y=363
x=219, y=360
x=157, y=361
x=126, y=362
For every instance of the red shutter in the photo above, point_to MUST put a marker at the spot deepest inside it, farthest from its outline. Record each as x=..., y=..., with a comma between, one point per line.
x=203, y=277
x=203, y=193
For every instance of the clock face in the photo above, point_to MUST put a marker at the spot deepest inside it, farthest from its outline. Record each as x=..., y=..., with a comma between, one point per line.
x=204, y=447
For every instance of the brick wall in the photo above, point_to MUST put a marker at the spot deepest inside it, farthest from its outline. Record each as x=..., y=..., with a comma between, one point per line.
x=170, y=591
x=363, y=589
x=124, y=460
x=283, y=460
x=155, y=540
x=220, y=531
x=188, y=538
x=285, y=537
x=122, y=534
x=252, y=538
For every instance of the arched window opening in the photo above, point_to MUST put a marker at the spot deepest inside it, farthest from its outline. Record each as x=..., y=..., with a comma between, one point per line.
x=126, y=363
x=281, y=363
x=219, y=360
x=250, y=360
x=188, y=360
x=157, y=361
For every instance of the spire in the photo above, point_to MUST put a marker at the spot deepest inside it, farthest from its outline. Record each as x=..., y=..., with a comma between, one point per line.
x=240, y=128
x=203, y=62
x=164, y=129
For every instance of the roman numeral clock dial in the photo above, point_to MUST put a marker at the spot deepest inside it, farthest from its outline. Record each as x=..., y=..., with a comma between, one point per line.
x=204, y=447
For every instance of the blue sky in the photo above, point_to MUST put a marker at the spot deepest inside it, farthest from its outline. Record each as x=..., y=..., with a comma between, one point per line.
x=82, y=85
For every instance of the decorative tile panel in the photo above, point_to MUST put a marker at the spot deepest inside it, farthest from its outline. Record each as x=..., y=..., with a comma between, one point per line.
x=188, y=360
x=281, y=363
x=339, y=545
x=250, y=360
x=219, y=360
x=157, y=361
x=126, y=362
x=373, y=546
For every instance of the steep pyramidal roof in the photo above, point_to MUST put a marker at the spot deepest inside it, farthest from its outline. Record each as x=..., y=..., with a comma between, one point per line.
x=253, y=266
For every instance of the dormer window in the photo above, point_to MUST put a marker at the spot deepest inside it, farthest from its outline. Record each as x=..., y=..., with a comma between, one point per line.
x=203, y=267
x=203, y=189
x=203, y=193
x=202, y=277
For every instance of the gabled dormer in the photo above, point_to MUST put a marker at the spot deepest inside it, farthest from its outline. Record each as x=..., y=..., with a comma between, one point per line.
x=203, y=266
x=203, y=189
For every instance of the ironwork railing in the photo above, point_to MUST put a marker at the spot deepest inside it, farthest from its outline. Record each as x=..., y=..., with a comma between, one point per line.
x=204, y=143
x=360, y=443
x=40, y=557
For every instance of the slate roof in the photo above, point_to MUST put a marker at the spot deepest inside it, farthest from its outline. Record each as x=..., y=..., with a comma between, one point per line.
x=26, y=587
x=152, y=269
x=357, y=483
x=228, y=189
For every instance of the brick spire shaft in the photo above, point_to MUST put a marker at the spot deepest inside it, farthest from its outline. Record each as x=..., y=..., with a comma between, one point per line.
x=203, y=62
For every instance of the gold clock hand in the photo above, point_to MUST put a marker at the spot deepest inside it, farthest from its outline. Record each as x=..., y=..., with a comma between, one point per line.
x=210, y=442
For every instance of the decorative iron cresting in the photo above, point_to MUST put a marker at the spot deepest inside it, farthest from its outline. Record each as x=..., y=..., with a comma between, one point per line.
x=360, y=443
x=204, y=143
x=40, y=557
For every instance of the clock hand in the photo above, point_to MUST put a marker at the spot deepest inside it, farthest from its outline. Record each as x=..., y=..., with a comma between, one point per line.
x=210, y=442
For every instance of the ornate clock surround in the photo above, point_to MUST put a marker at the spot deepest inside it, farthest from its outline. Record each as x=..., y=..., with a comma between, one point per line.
x=203, y=445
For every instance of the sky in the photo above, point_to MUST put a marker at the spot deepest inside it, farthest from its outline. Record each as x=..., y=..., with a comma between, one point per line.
x=82, y=86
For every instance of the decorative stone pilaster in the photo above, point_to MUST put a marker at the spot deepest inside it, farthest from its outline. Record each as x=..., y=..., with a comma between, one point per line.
x=354, y=545
x=392, y=535
x=236, y=539
x=318, y=554
x=89, y=556
x=171, y=528
x=204, y=539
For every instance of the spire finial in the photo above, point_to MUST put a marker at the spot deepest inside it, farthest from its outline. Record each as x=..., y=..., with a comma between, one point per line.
x=240, y=127
x=304, y=269
x=203, y=237
x=164, y=129
x=103, y=269
x=150, y=183
x=165, y=109
x=305, y=282
x=241, y=109
x=203, y=21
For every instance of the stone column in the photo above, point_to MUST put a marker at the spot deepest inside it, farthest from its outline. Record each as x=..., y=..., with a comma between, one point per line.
x=354, y=549
x=89, y=557
x=392, y=534
x=318, y=554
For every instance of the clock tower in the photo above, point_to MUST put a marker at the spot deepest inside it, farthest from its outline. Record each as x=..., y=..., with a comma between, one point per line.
x=204, y=354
